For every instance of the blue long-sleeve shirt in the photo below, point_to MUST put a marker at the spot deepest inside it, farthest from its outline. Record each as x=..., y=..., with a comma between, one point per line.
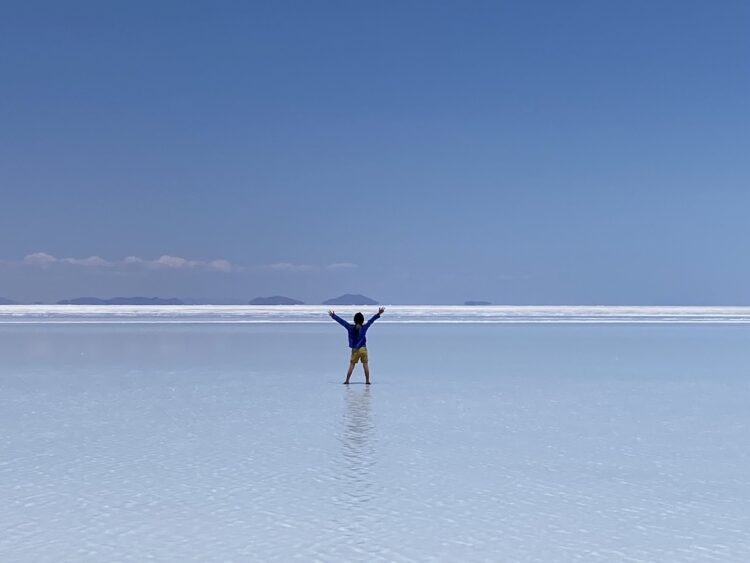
x=361, y=339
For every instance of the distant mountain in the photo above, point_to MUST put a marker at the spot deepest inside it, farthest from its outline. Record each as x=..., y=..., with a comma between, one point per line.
x=477, y=303
x=213, y=301
x=121, y=301
x=4, y=301
x=275, y=300
x=350, y=299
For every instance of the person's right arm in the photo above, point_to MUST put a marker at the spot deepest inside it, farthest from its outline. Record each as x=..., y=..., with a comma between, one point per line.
x=339, y=320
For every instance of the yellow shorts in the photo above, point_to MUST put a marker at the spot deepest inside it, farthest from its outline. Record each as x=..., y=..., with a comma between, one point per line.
x=359, y=354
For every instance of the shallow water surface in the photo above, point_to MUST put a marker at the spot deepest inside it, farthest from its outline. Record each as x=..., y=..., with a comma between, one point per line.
x=187, y=442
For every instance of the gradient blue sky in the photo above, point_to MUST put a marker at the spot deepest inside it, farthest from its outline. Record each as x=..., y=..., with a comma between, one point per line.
x=425, y=152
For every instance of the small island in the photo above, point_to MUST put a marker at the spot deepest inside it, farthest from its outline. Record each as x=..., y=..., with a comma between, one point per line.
x=351, y=299
x=275, y=300
x=477, y=303
x=121, y=301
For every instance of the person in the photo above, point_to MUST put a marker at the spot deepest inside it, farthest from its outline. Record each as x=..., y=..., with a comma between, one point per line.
x=357, y=340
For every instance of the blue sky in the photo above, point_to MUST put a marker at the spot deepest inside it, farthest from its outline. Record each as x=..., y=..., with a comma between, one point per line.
x=424, y=152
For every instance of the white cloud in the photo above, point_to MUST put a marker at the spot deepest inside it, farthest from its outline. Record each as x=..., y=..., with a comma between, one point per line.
x=292, y=268
x=44, y=260
x=341, y=266
x=221, y=265
x=171, y=262
x=288, y=267
x=95, y=261
x=166, y=261
x=41, y=259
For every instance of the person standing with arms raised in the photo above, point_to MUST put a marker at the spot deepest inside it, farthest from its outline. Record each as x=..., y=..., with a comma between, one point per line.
x=357, y=340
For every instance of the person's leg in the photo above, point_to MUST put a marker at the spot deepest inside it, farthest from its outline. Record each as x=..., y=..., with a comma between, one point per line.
x=367, y=372
x=349, y=373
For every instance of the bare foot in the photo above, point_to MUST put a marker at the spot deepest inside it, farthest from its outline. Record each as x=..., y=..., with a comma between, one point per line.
x=346, y=383
x=367, y=382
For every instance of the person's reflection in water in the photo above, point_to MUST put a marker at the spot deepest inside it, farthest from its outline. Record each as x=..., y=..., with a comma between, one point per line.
x=358, y=452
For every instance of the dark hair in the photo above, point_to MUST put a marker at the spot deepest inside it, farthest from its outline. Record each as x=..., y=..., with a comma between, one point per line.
x=359, y=319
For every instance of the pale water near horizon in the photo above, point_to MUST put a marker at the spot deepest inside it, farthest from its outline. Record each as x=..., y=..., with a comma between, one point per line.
x=476, y=442
x=424, y=314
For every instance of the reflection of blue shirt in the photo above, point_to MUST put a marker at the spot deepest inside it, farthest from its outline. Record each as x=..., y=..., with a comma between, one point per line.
x=356, y=340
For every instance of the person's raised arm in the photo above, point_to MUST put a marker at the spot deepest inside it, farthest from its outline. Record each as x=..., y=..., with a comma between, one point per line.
x=376, y=316
x=339, y=320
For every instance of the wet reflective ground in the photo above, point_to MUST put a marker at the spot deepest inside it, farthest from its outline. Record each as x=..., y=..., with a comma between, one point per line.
x=474, y=443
